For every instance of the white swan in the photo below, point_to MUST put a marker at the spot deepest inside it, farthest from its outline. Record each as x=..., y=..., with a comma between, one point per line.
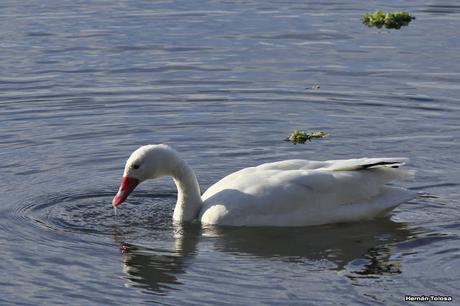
x=285, y=193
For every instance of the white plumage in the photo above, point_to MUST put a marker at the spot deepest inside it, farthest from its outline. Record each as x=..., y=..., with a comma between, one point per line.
x=285, y=193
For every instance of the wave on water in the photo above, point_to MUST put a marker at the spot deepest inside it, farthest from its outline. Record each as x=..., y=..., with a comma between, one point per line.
x=91, y=212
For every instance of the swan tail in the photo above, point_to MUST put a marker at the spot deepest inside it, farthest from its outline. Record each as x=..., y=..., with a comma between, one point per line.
x=389, y=169
x=386, y=169
x=366, y=163
x=390, y=164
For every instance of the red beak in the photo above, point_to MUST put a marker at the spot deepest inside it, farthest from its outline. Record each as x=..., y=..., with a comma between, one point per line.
x=127, y=186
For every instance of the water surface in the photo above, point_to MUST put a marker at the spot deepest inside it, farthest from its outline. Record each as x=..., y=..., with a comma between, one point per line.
x=224, y=82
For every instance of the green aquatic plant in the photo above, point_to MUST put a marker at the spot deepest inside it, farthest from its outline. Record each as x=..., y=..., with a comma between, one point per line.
x=302, y=137
x=391, y=20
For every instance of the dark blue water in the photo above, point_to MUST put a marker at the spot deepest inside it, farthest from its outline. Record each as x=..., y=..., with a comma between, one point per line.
x=224, y=82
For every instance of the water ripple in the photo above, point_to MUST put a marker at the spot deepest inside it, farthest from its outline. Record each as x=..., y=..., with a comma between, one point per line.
x=90, y=212
x=224, y=82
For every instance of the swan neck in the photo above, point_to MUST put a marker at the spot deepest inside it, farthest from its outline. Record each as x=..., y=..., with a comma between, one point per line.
x=188, y=193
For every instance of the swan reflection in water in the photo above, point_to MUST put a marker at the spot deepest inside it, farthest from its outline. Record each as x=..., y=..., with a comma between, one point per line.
x=156, y=269
x=361, y=249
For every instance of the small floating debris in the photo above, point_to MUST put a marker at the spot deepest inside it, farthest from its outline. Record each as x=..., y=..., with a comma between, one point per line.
x=314, y=87
x=391, y=20
x=302, y=137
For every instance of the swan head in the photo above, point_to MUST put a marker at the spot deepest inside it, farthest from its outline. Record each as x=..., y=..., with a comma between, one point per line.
x=147, y=162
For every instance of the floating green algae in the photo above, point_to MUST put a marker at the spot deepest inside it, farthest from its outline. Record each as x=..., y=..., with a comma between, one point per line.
x=302, y=137
x=390, y=20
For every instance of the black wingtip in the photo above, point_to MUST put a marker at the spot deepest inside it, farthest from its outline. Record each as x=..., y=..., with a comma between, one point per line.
x=383, y=163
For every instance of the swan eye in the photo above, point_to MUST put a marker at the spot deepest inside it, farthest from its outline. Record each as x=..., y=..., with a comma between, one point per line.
x=136, y=166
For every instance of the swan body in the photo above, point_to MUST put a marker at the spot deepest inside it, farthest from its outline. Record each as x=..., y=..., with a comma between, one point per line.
x=284, y=193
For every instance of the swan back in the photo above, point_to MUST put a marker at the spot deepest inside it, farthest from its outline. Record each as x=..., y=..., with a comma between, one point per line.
x=300, y=192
